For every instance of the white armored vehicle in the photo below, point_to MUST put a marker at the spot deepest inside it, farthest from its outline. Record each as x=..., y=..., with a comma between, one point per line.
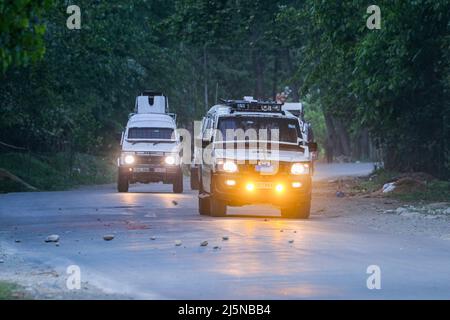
x=151, y=146
x=255, y=152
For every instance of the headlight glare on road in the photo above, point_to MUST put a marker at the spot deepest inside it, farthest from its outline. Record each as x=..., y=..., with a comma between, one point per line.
x=300, y=168
x=170, y=160
x=129, y=159
x=229, y=166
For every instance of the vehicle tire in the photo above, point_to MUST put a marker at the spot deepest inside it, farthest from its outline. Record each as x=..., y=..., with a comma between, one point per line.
x=299, y=211
x=194, y=179
x=218, y=207
x=204, y=206
x=122, y=183
x=177, y=185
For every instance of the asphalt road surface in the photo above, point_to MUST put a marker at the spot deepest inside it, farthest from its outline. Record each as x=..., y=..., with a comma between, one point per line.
x=265, y=257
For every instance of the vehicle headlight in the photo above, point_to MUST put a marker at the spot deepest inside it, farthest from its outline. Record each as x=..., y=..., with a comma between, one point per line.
x=129, y=159
x=170, y=160
x=228, y=166
x=300, y=168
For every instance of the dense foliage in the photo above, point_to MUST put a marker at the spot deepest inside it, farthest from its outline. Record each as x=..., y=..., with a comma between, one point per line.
x=391, y=85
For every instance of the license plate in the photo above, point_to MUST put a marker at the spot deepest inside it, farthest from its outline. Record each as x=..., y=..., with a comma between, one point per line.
x=160, y=170
x=264, y=185
x=141, y=170
x=264, y=169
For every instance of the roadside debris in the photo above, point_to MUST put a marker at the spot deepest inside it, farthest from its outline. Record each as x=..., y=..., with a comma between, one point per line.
x=216, y=248
x=174, y=202
x=178, y=243
x=291, y=241
x=225, y=238
x=17, y=241
x=429, y=211
x=340, y=194
x=52, y=238
x=388, y=187
x=108, y=237
x=152, y=238
x=204, y=244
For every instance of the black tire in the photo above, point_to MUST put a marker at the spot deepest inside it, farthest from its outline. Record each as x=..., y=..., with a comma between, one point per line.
x=218, y=207
x=204, y=207
x=122, y=183
x=177, y=185
x=194, y=179
x=300, y=211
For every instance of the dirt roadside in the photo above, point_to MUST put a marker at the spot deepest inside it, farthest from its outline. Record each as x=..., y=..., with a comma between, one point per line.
x=336, y=200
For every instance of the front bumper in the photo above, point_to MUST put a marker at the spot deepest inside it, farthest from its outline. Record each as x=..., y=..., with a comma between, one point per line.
x=264, y=191
x=150, y=173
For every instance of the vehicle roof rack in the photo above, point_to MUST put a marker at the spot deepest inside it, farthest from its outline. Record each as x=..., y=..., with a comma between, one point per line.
x=253, y=105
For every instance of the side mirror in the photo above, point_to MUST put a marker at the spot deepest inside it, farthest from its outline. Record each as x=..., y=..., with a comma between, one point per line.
x=312, y=146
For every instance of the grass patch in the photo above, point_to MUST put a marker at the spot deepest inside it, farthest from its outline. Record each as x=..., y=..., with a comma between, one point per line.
x=8, y=291
x=409, y=186
x=56, y=171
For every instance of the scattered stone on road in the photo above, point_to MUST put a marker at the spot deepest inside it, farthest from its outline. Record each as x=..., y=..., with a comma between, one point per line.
x=153, y=238
x=225, y=238
x=204, y=243
x=178, y=243
x=291, y=241
x=174, y=202
x=108, y=237
x=17, y=241
x=340, y=194
x=216, y=247
x=52, y=238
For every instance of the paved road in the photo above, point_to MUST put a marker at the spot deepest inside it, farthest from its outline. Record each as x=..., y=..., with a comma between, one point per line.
x=327, y=259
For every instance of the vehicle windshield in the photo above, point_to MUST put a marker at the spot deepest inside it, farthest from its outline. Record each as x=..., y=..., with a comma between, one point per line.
x=151, y=133
x=257, y=128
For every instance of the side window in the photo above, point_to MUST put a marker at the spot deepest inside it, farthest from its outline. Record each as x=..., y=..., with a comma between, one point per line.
x=207, y=128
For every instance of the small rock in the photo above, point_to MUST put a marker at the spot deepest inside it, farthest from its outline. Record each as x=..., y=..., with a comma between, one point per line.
x=52, y=238
x=340, y=194
x=174, y=202
x=295, y=231
x=178, y=243
x=153, y=238
x=388, y=187
x=401, y=210
x=17, y=241
x=204, y=244
x=291, y=241
x=225, y=238
x=216, y=247
x=108, y=237
x=281, y=230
